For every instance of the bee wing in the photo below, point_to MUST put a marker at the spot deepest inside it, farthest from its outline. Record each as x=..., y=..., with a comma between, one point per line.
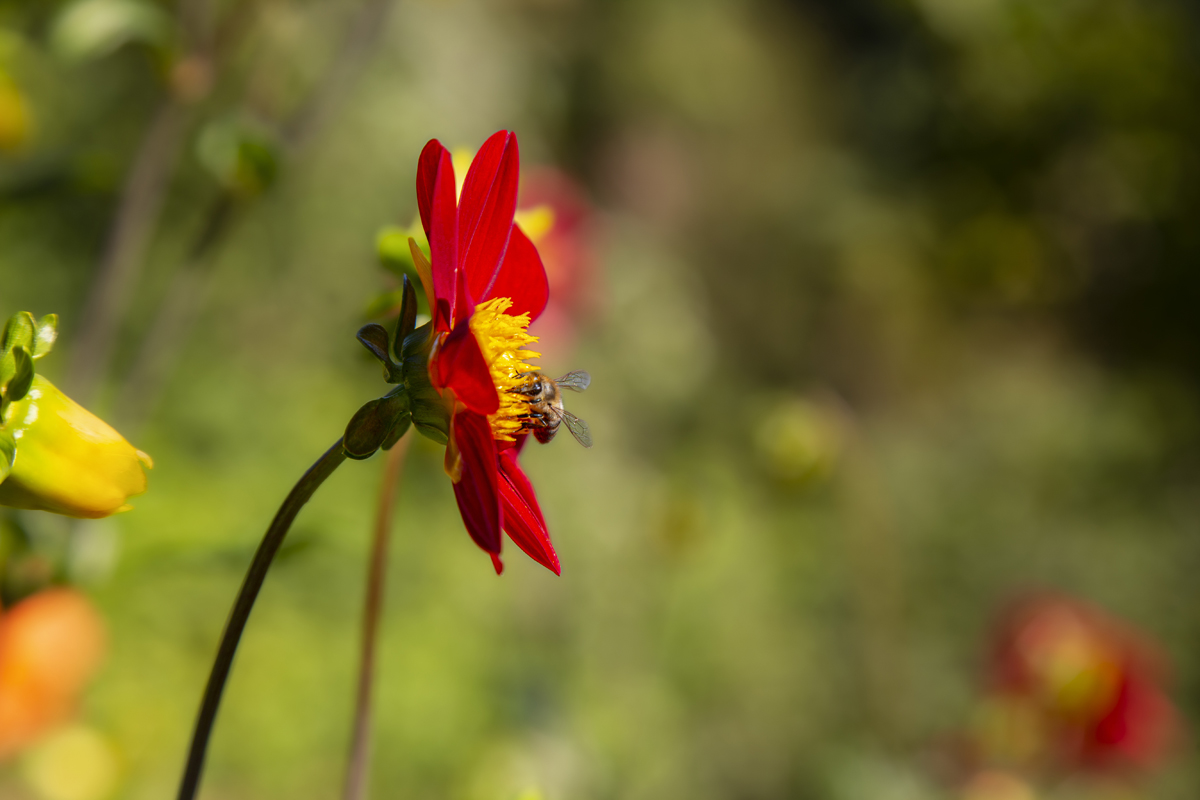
x=578, y=428
x=576, y=381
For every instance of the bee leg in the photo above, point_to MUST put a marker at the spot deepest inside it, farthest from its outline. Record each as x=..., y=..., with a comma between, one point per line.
x=532, y=421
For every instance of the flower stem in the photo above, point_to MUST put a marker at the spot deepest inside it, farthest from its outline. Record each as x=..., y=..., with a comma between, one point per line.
x=358, y=764
x=300, y=494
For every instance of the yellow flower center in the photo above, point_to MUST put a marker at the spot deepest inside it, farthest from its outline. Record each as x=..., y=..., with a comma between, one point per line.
x=502, y=338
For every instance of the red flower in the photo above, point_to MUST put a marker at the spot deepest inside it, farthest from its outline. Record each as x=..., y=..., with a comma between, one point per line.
x=556, y=215
x=1093, y=683
x=486, y=283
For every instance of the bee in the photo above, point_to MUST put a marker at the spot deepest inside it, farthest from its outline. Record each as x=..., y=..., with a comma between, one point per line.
x=546, y=410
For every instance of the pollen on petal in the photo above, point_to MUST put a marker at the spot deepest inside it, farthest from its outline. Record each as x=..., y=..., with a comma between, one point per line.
x=502, y=338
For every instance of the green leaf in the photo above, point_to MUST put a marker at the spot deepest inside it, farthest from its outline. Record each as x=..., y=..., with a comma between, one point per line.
x=257, y=164
x=18, y=331
x=392, y=245
x=91, y=29
x=394, y=254
x=384, y=304
x=8, y=454
x=8, y=367
x=47, y=332
x=241, y=156
x=18, y=385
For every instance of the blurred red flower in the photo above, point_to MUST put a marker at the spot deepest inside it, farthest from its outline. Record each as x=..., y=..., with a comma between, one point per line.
x=50, y=644
x=486, y=283
x=1089, y=683
x=555, y=213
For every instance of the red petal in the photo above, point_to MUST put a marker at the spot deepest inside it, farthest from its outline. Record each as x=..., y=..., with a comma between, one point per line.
x=466, y=300
x=441, y=315
x=439, y=217
x=522, y=277
x=427, y=170
x=489, y=200
x=460, y=367
x=477, y=492
x=510, y=468
x=523, y=520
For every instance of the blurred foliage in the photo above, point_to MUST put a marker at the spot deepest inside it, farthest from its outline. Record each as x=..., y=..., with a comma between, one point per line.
x=896, y=321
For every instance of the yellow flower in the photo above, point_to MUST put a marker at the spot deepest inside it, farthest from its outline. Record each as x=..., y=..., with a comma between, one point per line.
x=16, y=121
x=55, y=455
x=68, y=460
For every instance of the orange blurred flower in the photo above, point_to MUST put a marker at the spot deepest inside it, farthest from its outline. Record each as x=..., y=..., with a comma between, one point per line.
x=50, y=644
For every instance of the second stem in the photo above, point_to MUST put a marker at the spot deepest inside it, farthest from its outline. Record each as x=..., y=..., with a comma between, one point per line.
x=359, y=762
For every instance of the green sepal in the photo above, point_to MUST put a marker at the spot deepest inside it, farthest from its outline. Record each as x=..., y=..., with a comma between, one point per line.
x=399, y=427
x=43, y=338
x=435, y=427
x=375, y=338
x=414, y=401
x=366, y=431
x=18, y=385
x=430, y=413
x=407, y=321
x=416, y=349
x=8, y=454
x=371, y=425
x=19, y=331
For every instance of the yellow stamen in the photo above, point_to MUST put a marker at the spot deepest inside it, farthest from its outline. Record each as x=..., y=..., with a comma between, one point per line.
x=502, y=338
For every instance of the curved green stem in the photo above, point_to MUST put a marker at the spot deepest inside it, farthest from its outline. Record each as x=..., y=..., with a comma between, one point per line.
x=300, y=494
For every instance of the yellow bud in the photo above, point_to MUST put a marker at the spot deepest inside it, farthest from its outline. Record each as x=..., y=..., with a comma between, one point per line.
x=16, y=122
x=536, y=222
x=68, y=460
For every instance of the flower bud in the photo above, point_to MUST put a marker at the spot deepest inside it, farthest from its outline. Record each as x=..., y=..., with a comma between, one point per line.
x=67, y=460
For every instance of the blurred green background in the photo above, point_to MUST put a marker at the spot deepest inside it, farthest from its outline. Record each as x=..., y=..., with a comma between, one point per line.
x=896, y=317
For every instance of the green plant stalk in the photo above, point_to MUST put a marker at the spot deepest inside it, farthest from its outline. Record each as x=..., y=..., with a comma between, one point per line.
x=359, y=762
x=300, y=494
